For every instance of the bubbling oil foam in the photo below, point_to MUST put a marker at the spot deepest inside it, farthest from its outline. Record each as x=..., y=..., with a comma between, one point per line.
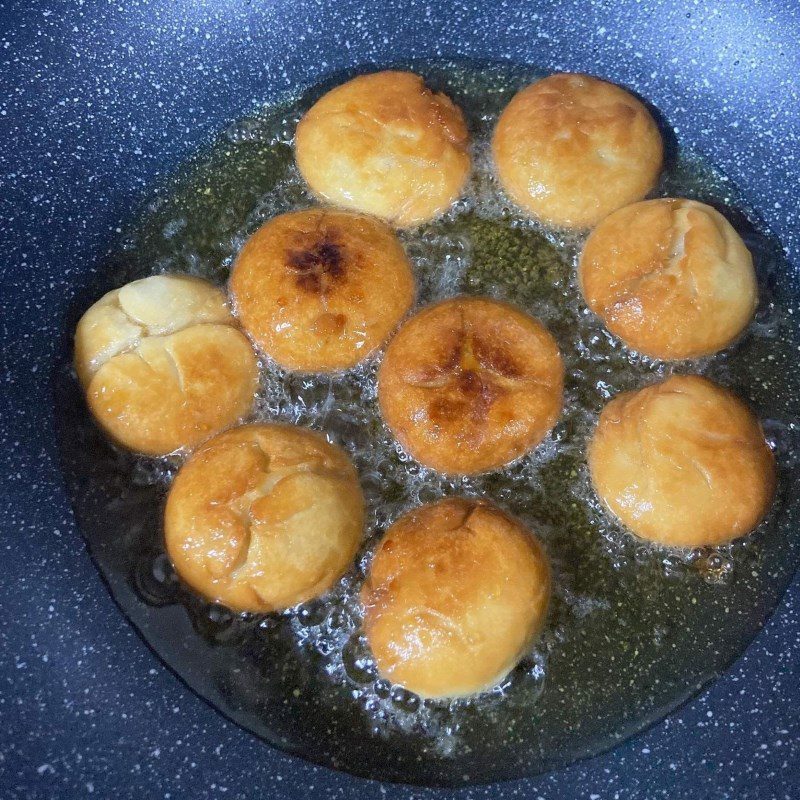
x=481, y=245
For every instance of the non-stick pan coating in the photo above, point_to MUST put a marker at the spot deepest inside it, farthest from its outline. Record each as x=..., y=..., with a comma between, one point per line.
x=84, y=135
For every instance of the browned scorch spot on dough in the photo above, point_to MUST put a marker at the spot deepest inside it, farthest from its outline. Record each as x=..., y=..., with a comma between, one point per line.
x=318, y=265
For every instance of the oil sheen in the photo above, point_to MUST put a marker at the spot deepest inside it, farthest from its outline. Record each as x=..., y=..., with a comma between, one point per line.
x=634, y=629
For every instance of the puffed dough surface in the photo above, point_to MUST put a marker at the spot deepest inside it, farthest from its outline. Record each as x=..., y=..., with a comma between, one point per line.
x=470, y=384
x=683, y=463
x=455, y=595
x=386, y=145
x=163, y=364
x=570, y=149
x=263, y=517
x=320, y=290
x=670, y=277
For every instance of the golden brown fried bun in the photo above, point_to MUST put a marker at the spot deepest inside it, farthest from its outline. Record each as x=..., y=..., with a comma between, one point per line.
x=320, y=290
x=683, y=463
x=671, y=278
x=163, y=364
x=263, y=517
x=455, y=595
x=386, y=145
x=470, y=384
x=571, y=149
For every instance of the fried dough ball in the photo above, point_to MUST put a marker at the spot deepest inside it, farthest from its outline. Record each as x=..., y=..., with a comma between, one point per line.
x=320, y=290
x=683, y=463
x=570, y=149
x=386, y=145
x=455, y=595
x=671, y=278
x=263, y=517
x=163, y=364
x=470, y=384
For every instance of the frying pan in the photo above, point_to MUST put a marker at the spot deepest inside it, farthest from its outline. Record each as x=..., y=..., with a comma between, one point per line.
x=99, y=102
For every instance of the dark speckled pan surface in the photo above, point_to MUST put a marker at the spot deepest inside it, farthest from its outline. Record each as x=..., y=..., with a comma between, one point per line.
x=101, y=100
